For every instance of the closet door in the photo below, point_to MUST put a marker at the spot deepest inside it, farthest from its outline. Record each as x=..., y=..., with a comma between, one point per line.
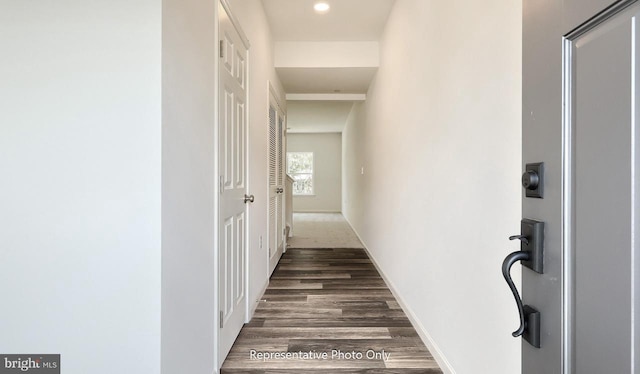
x=276, y=188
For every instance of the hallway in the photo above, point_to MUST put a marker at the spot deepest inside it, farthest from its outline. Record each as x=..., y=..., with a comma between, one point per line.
x=146, y=147
x=328, y=300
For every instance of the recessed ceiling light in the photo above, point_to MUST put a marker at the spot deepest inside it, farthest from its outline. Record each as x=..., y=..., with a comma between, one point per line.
x=321, y=7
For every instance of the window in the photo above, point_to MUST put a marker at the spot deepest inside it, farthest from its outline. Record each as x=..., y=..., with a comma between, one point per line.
x=300, y=168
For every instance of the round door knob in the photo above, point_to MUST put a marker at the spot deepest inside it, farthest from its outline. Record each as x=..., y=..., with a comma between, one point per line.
x=530, y=180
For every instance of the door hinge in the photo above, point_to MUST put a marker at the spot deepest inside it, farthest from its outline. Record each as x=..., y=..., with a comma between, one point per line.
x=221, y=48
x=221, y=182
x=221, y=319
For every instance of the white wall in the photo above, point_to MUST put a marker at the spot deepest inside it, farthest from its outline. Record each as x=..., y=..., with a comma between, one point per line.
x=189, y=59
x=317, y=116
x=251, y=15
x=440, y=140
x=326, y=54
x=80, y=128
x=354, y=148
x=327, y=173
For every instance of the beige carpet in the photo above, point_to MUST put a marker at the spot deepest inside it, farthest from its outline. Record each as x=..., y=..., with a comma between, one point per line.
x=322, y=230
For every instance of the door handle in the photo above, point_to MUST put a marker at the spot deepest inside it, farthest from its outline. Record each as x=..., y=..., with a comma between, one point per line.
x=249, y=198
x=522, y=238
x=279, y=190
x=506, y=273
x=530, y=254
x=529, y=317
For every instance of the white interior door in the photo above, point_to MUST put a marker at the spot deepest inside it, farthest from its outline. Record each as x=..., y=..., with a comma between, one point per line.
x=233, y=182
x=580, y=99
x=276, y=184
x=280, y=234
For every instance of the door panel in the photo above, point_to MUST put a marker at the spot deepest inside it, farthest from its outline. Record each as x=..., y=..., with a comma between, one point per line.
x=579, y=105
x=239, y=261
x=240, y=151
x=603, y=150
x=227, y=134
x=233, y=186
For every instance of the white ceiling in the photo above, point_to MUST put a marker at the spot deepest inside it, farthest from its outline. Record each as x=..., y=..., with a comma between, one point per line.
x=317, y=116
x=347, y=20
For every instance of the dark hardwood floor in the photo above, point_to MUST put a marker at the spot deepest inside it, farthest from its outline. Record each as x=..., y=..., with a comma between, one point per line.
x=333, y=302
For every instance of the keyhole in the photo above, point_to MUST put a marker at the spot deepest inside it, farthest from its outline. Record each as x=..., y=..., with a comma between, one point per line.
x=530, y=180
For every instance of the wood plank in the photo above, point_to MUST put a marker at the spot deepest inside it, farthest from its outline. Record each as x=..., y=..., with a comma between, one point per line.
x=332, y=260
x=366, y=304
x=316, y=332
x=350, y=297
x=337, y=322
x=297, y=314
x=335, y=275
x=294, y=284
x=343, y=292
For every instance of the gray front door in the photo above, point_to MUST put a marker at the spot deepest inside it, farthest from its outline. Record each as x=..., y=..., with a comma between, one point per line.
x=580, y=95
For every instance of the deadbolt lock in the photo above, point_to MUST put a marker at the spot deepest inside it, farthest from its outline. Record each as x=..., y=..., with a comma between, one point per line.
x=532, y=180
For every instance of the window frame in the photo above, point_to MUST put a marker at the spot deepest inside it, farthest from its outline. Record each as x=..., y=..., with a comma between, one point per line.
x=313, y=172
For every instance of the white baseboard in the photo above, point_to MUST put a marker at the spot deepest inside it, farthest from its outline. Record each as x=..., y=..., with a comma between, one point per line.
x=422, y=332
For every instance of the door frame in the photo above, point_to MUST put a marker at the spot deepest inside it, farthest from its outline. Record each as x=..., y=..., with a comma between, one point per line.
x=216, y=231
